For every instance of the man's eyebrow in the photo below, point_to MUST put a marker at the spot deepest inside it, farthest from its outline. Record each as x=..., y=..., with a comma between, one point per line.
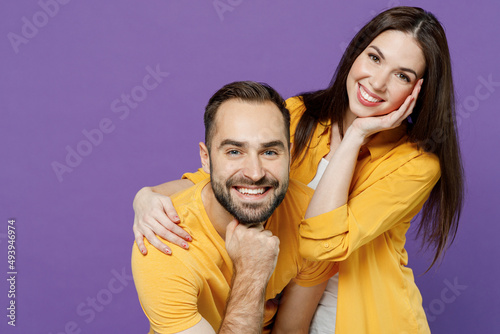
x=230, y=142
x=404, y=69
x=274, y=143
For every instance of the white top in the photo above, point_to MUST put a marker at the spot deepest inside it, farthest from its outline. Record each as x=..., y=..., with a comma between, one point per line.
x=323, y=321
x=319, y=173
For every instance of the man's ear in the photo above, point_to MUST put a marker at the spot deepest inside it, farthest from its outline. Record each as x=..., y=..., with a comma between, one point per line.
x=205, y=158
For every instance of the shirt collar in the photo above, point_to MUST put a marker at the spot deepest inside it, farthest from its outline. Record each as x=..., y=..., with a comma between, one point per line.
x=385, y=141
x=380, y=144
x=324, y=130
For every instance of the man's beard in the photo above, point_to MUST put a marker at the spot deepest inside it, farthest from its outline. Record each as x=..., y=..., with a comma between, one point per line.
x=249, y=213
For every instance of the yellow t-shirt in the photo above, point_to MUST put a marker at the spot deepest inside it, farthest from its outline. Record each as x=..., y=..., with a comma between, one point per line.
x=176, y=291
x=377, y=292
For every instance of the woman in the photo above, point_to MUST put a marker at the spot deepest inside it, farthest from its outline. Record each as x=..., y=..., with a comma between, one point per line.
x=369, y=187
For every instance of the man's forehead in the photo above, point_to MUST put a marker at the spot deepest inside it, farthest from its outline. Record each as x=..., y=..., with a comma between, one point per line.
x=237, y=108
x=240, y=119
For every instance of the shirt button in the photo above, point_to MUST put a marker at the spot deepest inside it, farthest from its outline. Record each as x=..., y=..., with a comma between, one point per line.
x=326, y=245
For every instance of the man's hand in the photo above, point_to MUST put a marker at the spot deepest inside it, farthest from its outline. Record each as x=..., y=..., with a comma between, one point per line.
x=253, y=250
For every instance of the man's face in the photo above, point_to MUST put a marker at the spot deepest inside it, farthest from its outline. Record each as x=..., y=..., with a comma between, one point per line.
x=249, y=159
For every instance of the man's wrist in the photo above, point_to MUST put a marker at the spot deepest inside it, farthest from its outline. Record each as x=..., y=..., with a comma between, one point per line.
x=250, y=278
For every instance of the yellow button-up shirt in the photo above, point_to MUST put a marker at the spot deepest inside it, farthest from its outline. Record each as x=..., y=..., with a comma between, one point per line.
x=377, y=292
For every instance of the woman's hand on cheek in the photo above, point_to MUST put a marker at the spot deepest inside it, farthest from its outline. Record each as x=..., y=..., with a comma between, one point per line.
x=368, y=126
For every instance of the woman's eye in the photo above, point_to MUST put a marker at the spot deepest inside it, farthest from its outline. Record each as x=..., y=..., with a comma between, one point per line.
x=374, y=58
x=403, y=77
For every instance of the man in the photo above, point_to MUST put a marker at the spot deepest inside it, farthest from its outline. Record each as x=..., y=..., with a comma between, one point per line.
x=244, y=225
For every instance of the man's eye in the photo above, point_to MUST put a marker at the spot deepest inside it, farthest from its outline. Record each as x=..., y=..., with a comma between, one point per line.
x=270, y=153
x=233, y=152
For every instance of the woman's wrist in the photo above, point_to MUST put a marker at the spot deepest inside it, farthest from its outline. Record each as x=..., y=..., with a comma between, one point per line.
x=355, y=137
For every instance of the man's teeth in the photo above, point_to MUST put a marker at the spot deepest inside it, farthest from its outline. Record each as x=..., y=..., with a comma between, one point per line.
x=251, y=191
x=366, y=96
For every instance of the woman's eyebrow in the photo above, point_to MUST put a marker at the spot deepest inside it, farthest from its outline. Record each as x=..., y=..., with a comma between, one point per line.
x=404, y=69
x=378, y=50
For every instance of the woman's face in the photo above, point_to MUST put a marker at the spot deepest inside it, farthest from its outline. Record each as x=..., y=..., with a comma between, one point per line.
x=384, y=74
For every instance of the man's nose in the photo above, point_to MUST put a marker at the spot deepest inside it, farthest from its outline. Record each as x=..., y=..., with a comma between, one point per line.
x=253, y=168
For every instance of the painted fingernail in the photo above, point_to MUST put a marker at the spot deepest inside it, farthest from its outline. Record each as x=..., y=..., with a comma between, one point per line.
x=168, y=251
x=184, y=245
x=188, y=238
x=143, y=251
x=176, y=217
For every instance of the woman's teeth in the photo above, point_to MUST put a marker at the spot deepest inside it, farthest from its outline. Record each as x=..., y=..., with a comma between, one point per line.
x=367, y=96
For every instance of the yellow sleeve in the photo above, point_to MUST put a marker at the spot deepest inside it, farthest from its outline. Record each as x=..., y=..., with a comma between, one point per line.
x=315, y=272
x=296, y=107
x=393, y=199
x=196, y=177
x=167, y=291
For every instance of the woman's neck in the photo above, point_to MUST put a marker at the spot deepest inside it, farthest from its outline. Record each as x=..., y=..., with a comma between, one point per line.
x=336, y=137
x=349, y=117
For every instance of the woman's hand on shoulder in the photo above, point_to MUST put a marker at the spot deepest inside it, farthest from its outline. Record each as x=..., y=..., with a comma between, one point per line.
x=155, y=216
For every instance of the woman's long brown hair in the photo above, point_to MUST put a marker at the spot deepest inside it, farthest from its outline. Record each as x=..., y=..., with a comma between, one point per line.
x=432, y=125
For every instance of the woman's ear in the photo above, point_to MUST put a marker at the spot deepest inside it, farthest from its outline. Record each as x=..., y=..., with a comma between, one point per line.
x=205, y=158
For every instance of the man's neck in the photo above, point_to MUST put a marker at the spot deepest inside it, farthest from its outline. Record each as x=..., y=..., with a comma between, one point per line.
x=218, y=216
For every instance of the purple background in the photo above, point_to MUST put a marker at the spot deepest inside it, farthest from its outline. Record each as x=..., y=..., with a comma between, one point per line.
x=74, y=234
